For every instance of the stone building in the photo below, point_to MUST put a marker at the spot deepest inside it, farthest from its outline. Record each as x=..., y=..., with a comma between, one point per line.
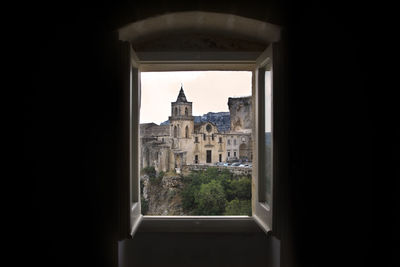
x=184, y=142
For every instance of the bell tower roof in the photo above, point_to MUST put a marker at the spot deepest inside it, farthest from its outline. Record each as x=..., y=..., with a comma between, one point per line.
x=181, y=96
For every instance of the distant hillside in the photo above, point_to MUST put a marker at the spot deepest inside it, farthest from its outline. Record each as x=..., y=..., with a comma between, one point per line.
x=221, y=119
x=268, y=138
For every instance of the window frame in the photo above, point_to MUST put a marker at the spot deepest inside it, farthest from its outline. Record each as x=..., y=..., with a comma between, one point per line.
x=226, y=65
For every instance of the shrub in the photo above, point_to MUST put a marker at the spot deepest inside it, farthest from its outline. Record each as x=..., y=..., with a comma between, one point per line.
x=150, y=171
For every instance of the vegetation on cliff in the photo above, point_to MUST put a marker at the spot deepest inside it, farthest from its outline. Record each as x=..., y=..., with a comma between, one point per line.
x=209, y=192
x=216, y=192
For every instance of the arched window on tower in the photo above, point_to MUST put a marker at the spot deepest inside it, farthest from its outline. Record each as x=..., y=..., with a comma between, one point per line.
x=175, y=131
x=187, y=132
x=176, y=111
x=186, y=112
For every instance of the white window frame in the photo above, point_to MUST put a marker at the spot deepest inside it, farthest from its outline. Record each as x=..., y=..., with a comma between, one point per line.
x=261, y=215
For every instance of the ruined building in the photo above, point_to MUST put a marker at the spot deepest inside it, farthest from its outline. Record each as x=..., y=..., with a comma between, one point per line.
x=185, y=142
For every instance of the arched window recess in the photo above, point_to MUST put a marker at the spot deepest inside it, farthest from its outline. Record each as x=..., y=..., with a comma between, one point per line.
x=245, y=44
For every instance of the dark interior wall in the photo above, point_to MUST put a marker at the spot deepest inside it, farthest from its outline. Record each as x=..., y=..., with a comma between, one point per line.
x=71, y=126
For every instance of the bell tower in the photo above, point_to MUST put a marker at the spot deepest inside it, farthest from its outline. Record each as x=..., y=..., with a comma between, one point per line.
x=181, y=119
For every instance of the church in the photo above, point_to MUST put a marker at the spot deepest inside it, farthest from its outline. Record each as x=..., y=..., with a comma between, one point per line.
x=185, y=142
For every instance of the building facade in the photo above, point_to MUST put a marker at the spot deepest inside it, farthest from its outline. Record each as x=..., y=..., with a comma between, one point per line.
x=184, y=142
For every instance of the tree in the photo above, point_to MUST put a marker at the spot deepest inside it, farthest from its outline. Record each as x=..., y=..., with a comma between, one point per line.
x=239, y=188
x=210, y=199
x=238, y=207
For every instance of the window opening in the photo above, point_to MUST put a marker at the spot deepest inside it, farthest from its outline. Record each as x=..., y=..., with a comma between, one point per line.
x=199, y=177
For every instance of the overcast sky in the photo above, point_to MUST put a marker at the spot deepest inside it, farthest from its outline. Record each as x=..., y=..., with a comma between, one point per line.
x=208, y=90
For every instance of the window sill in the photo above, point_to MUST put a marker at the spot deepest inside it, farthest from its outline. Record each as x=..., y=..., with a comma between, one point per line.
x=199, y=224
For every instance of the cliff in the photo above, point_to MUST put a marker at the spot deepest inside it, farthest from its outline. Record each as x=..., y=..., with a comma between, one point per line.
x=161, y=195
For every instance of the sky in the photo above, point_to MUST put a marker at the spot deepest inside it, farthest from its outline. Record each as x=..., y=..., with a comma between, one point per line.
x=208, y=90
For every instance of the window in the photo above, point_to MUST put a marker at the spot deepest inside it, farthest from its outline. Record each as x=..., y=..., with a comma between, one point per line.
x=229, y=153
x=186, y=132
x=204, y=137
x=234, y=153
x=208, y=156
x=196, y=139
x=175, y=131
x=186, y=112
x=212, y=137
x=196, y=159
x=220, y=140
x=262, y=214
x=220, y=157
x=229, y=142
x=176, y=111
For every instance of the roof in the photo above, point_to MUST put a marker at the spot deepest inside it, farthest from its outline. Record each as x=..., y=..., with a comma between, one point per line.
x=181, y=96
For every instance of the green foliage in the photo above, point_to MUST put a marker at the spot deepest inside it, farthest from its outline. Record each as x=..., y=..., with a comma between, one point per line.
x=153, y=177
x=239, y=188
x=150, y=171
x=144, y=205
x=203, y=191
x=238, y=207
x=210, y=199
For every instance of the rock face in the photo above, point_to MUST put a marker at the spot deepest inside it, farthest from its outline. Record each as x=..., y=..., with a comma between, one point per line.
x=163, y=195
x=221, y=119
x=240, y=113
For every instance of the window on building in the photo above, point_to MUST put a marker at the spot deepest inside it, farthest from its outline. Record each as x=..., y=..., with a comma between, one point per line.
x=186, y=132
x=212, y=137
x=229, y=141
x=220, y=157
x=259, y=213
x=229, y=153
x=220, y=140
x=204, y=137
x=186, y=112
x=176, y=111
x=196, y=159
x=234, y=153
x=196, y=139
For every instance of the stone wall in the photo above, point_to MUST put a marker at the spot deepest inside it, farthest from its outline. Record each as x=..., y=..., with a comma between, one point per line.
x=203, y=167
